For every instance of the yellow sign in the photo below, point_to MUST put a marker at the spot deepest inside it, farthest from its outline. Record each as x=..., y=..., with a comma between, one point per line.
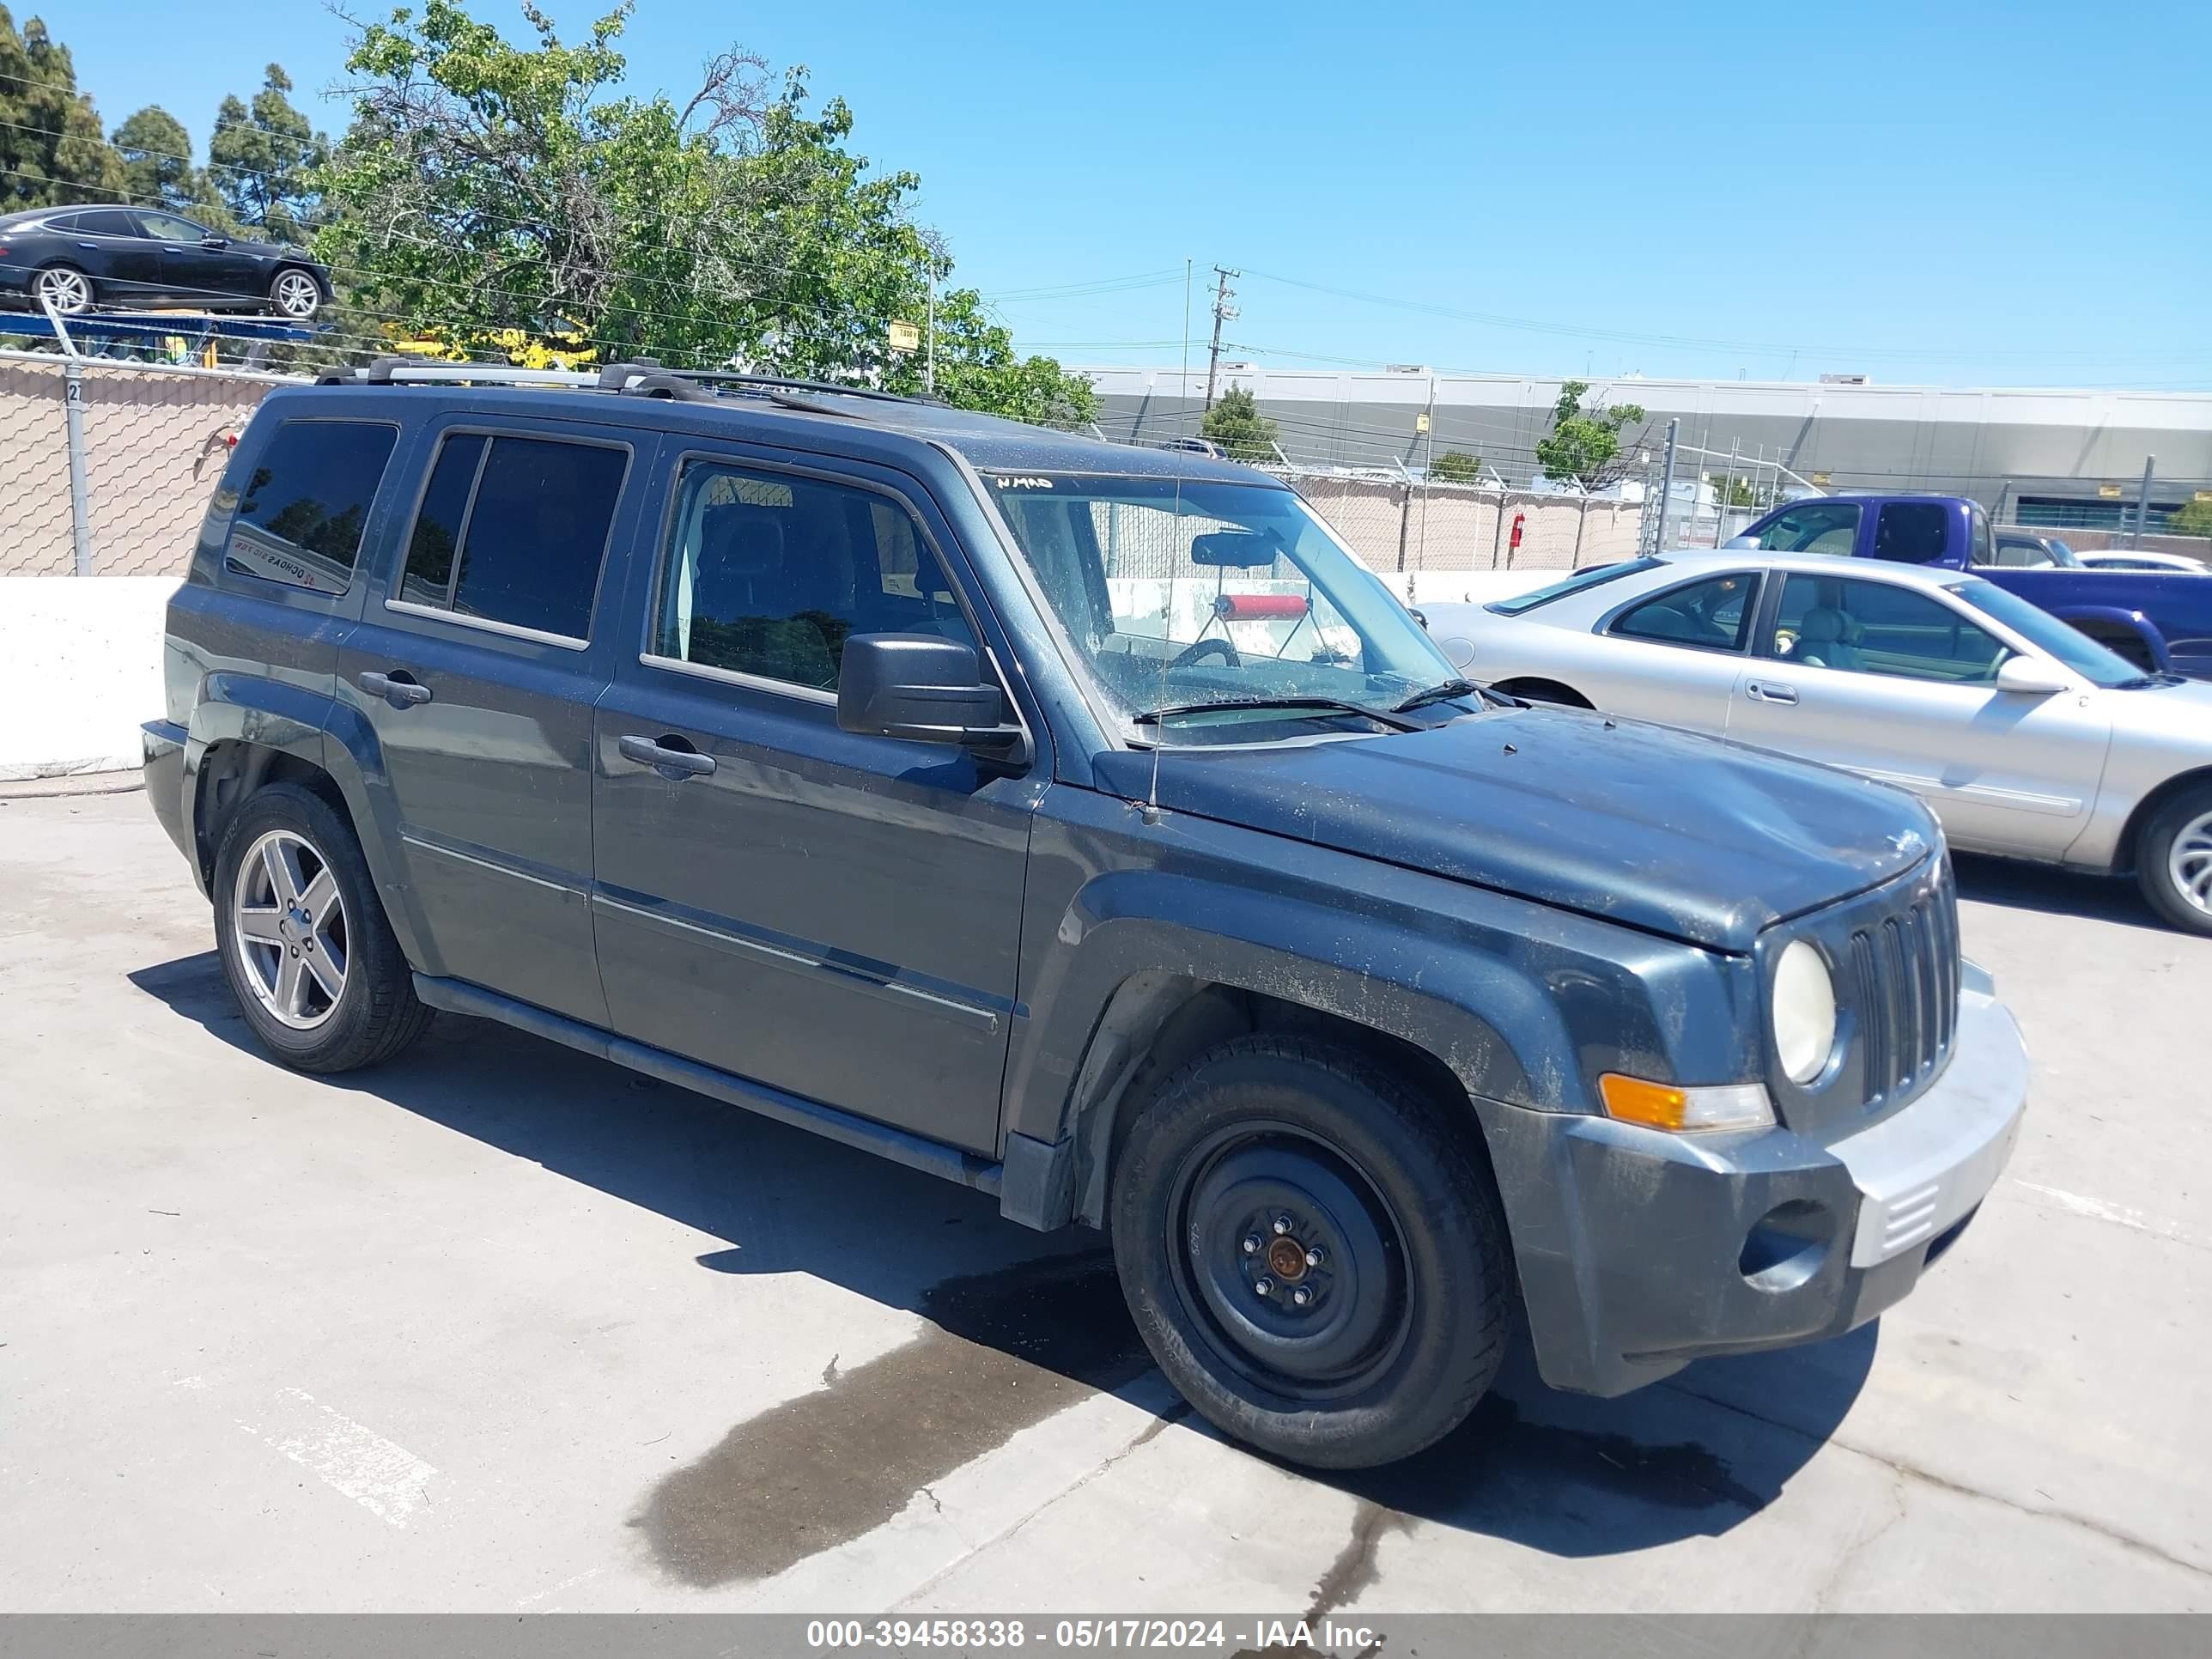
x=2204, y=494
x=904, y=336
x=2109, y=492
x=1820, y=478
x=1420, y=422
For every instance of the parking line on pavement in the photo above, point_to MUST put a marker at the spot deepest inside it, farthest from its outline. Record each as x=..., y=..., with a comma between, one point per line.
x=380, y=1475
x=2097, y=1210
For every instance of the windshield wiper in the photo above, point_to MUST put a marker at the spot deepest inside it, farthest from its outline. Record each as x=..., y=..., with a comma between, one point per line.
x=1449, y=690
x=1295, y=705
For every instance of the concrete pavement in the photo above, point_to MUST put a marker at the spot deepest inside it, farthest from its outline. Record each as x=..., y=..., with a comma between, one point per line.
x=500, y=1327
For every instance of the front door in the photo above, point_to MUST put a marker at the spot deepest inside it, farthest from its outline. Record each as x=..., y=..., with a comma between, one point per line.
x=476, y=666
x=197, y=275
x=833, y=915
x=126, y=266
x=1899, y=685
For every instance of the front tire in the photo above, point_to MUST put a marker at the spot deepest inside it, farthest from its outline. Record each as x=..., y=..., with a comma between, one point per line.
x=66, y=287
x=1314, y=1257
x=2173, y=860
x=296, y=294
x=303, y=938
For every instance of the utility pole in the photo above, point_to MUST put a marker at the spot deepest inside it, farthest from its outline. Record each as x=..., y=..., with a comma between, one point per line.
x=2142, y=501
x=1223, y=311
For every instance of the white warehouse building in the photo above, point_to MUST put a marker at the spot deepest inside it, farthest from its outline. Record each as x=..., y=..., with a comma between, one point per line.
x=2053, y=456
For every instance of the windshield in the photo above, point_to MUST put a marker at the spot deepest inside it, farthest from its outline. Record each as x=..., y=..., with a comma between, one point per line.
x=1182, y=592
x=1592, y=577
x=2040, y=629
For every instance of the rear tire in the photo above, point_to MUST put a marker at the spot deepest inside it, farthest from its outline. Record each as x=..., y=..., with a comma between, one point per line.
x=1273, y=1169
x=2173, y=860
x=1550, y=691
x=303, y=938
x=69, y=289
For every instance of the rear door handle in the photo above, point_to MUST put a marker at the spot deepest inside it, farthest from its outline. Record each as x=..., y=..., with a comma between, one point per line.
x=1770, y=691
x=674, y=763
x=398, y=688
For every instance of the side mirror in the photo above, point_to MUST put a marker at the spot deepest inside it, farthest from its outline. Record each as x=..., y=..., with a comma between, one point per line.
x=2032, y=677
x=1742, y=541
x=1420, y=616
x=919, y=687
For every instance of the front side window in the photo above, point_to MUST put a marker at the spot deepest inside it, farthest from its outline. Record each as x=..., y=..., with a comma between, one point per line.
x=1197, y=592
x=1814, y=527
x=514, y=530
x=298, y=513
x=1910, y=533
x=169, y=227
x=1977, y=536
x=1713, y=615
x=768, y=574
x=1872, y=628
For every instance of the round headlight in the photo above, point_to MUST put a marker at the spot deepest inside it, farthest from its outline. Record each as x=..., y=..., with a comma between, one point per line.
x=1804, y=1012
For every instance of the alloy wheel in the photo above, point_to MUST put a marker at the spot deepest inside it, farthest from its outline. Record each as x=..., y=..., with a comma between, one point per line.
x=288, y=923
x=67, y=291
x=2189, y=862
x=296, y=294
x=1291, y=1261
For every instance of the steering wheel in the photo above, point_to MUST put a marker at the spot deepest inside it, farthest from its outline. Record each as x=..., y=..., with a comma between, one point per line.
x=1198, y=648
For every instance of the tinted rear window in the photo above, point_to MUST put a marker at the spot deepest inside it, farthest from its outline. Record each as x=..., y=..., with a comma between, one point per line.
x=1911, y=533
x=515, y=532
x=300, y=511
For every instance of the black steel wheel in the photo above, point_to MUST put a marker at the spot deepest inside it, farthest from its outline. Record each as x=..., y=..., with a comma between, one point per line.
x=1312, y=1250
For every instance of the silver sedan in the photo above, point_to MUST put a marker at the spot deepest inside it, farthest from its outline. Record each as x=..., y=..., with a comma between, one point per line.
x=2027, y=739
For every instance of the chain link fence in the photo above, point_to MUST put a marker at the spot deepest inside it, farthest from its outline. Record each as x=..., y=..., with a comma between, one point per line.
x=141, y=457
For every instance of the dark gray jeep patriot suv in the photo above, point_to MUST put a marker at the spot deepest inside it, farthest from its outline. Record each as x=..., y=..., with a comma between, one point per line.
x=1086, y=825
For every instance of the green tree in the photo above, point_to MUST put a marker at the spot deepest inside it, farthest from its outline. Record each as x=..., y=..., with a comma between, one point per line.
x=262, y=158
x=485, y=186
x=1731, y=492
x=1456, y=466
x=157, y=163
x=2195, y=519
x=1583, y=445
x=1236, y=424
x=53, y=149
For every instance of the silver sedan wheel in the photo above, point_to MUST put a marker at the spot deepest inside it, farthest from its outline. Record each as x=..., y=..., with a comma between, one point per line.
x=288, y=922
x=67, y=291
x=2189, y=862
x=295, y=294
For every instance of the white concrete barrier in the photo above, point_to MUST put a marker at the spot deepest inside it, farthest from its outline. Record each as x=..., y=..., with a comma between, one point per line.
x=79, y=669
x=80, y=660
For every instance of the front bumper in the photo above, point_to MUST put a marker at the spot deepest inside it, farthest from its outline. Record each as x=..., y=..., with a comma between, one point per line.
x=1640, y=1251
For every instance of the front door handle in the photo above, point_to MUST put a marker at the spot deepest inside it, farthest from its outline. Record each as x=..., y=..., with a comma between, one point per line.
x=664, y=757
x=1770, y=691
x=399, y=687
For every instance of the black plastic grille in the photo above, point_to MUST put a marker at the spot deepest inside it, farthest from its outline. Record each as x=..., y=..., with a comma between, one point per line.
x=1905, y=971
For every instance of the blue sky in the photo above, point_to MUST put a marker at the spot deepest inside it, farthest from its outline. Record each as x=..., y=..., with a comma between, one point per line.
x=1960, y=193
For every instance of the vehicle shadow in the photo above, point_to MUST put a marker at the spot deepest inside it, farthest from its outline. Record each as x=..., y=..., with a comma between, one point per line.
x=2054, y=891
x=1021, y=1325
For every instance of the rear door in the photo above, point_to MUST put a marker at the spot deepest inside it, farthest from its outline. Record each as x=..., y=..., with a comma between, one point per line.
x=833, y=915
x=476, y=666
x=125, y=263
x=1899, y=685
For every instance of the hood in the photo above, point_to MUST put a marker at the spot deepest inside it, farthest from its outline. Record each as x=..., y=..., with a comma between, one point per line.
x=1692, y=837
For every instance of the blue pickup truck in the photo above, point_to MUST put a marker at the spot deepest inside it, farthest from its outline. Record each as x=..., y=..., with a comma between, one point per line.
x=2156, y=620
